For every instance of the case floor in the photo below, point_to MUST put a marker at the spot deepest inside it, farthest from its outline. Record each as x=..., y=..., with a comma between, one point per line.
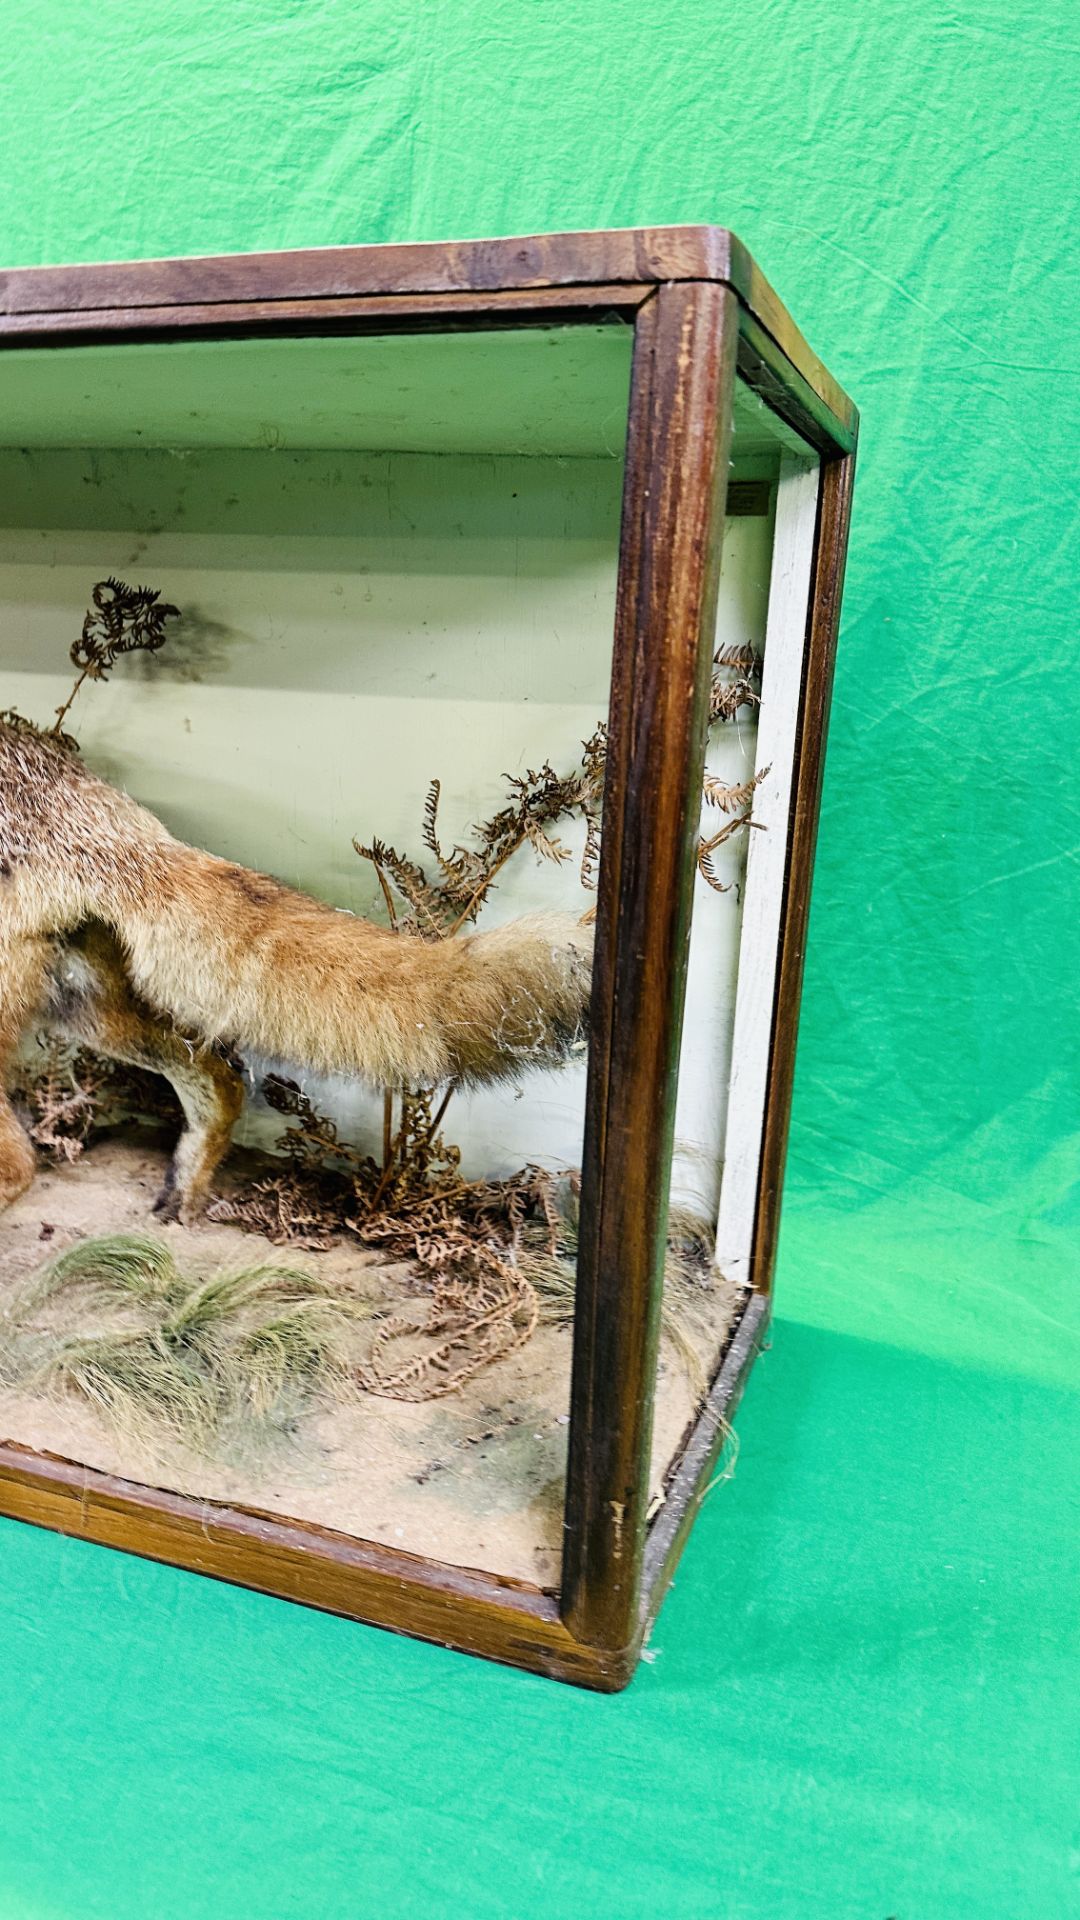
x=475, y=1477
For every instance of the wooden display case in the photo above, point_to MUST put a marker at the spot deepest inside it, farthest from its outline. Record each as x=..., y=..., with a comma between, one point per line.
x=642, y=390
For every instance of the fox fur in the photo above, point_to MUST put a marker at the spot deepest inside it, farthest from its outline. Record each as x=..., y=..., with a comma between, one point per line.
x=117, y=935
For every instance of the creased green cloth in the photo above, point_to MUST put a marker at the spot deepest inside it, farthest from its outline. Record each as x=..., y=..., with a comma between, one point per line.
x=860, y=1698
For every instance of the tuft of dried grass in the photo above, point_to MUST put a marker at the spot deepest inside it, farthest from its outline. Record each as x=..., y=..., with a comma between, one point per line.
x=120, y=1267
x=224, y=1363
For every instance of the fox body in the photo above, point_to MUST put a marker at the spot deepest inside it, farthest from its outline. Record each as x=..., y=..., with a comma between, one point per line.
x=117, y=935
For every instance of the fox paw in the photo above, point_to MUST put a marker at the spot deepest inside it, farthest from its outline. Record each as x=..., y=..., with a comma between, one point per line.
x=167, y=1206
x=175, y=1206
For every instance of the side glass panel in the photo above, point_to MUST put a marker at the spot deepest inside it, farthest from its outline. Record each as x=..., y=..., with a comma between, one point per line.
x=738, y=892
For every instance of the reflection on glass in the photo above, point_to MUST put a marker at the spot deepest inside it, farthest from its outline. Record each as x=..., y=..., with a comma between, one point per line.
x=737, y=894
x=395, y=567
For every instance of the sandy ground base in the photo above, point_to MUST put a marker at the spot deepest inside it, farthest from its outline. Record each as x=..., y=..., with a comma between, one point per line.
x=475, y=1478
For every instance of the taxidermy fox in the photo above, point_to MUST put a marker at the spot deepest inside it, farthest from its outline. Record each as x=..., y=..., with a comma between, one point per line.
x=117, y=936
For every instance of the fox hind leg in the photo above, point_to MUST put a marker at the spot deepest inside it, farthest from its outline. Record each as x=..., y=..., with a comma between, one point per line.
x=23, y=964
x=211, y=1094
x=93, y=1002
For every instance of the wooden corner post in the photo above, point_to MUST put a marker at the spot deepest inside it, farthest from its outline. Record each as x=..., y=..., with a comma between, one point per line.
x=682, y=386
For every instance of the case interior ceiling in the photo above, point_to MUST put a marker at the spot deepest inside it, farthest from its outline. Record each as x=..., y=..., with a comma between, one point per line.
x=396, y=561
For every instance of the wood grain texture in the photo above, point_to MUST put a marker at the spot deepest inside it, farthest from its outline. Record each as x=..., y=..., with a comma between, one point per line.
x=834, y=514
x=375, y=313
x=765, y=307
x=651, y=254
x=828, y=422
x=677, y=450
x=128, y=296
x=455, y=1607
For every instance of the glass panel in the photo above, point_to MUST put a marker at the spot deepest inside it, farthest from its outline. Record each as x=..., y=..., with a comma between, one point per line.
x=394, y=561
x=761, y=612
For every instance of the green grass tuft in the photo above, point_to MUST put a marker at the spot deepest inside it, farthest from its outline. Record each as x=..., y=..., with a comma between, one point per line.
x=225, y=1363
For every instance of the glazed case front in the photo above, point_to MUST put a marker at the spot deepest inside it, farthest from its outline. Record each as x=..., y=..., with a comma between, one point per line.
x=432, y=511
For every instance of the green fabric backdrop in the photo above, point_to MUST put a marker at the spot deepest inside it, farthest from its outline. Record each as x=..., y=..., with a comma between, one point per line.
x=858, y=1701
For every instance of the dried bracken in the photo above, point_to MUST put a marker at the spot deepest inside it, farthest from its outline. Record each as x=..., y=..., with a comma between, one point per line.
x=489, y=1258
x=536, y=801
x=461, y=1238
x=481, y=1308
x=68, y=1098
x=729, y=799
x=736, y=682
x=122, y=619
x=706, y=849
x=60, y=1102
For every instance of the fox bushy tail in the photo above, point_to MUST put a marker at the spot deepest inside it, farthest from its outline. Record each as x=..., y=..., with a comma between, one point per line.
x=239, y=958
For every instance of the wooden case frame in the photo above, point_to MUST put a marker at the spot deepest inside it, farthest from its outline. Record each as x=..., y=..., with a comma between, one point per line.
x=700, y=310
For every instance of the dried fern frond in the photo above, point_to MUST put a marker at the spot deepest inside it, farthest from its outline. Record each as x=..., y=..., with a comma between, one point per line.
x=121, y=620
x=594, y=763
x=478, y=1313
x=536, y=801
x=590, y=858
x=706, y=849
x=742, y=659
x=68, y=1097
x=428, y=831
x=60, y=1099
x=736, y=682
x=547, y=845
x=313, y=1139
x=285, y=1209
x=411, y=883
x=461, y=1237
x=730, y=798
